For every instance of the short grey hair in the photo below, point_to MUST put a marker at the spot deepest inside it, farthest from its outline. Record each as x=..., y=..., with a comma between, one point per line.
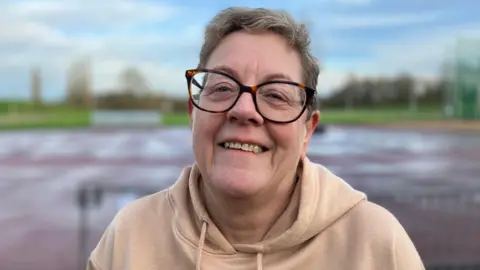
x=234, y=19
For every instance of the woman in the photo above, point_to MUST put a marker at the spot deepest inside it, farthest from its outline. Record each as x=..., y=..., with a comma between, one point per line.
x=253, y=200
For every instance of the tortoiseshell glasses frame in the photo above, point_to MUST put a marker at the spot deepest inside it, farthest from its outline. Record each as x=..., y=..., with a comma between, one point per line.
x=190, y=73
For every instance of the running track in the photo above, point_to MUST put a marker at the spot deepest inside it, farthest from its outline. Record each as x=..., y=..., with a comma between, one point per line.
x=430, y=181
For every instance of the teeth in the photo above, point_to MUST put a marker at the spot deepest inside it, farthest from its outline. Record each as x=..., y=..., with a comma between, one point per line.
x=243, y=146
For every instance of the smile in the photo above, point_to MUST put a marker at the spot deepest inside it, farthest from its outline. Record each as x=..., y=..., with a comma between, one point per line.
x=244, y=147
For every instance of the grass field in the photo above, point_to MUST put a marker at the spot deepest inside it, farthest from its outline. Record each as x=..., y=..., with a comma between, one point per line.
x=24, y=115
x=377, y=116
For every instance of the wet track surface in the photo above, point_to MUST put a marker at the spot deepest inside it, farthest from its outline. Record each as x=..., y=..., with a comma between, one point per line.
x=430, y=181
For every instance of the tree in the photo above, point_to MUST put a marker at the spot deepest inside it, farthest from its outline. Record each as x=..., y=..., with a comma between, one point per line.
x=79, y=84
x=404, y=86
x=350, y=91
x=133, y=93
x=133, y=82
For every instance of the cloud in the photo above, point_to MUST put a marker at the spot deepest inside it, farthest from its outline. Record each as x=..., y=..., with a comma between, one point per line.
x=355, y=2
x=162, y=40
x=164, y=80
x=418, y=53
x=52, y=34
x=381, y=20
x=86, y=13
x=329, y=79
x=29, y=26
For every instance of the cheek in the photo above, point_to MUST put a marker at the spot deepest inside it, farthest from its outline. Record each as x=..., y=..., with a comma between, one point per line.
x=204, y=129
x=288, y=138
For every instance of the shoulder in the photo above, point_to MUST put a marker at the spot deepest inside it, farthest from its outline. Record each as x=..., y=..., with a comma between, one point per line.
x=371, y=214
x=139, y=212
x=380, y=228
x=152, y=211
x=132, y=223
x=375, y=220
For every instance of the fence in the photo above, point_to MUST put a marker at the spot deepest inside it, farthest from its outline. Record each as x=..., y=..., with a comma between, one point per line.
x=98, y=205
x=463, y=96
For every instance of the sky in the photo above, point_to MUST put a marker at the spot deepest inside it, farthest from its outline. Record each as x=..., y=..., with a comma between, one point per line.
x=163, y=38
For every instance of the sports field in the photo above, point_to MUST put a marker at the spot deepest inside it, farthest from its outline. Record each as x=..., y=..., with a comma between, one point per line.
x=429, y=180
x=25, y=115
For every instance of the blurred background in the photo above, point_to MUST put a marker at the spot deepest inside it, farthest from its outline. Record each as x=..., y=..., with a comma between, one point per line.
x=93, y=104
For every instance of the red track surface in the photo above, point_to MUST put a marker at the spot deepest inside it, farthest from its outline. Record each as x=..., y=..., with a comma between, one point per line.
x=406, y=172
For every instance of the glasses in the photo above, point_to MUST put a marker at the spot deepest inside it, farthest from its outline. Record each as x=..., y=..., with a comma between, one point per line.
x=277, y=101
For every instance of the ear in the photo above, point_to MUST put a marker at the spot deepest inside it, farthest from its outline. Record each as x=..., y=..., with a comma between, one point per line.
x=310, y=127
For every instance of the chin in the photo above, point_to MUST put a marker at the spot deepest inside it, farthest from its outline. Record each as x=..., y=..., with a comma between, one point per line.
x=238, y=185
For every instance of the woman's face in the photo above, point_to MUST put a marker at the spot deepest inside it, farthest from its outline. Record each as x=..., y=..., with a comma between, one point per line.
x=253, y=59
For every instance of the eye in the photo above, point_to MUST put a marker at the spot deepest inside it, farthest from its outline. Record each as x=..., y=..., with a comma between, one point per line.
x=275, y=95
x=223, y=88
x=217, y=88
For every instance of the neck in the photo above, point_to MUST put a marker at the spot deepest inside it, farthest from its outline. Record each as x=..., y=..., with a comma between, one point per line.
x=250, y=220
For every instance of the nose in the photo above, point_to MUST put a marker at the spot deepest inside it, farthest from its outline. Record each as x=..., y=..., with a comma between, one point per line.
x=244, y=111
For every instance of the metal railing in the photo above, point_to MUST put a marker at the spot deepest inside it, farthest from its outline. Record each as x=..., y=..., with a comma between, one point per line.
x=92, y=197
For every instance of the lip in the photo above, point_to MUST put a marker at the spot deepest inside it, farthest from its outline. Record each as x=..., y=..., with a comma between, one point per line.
x=247, y=141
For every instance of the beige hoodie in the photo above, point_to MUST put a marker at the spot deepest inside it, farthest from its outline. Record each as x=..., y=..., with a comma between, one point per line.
x=335, y=228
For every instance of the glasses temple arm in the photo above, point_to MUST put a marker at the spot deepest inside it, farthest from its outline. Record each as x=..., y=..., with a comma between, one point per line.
x=197, y=84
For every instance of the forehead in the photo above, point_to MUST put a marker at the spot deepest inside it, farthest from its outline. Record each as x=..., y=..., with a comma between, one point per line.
x=255, y=57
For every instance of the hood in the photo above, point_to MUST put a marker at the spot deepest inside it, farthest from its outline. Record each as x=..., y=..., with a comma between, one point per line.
x=323, y=198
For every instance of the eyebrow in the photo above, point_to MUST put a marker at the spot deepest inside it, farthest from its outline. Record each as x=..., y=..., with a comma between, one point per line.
x=226, y=69
x=270, y=77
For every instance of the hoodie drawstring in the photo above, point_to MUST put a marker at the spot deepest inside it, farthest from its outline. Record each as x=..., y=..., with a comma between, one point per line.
x=201, y=243
x=259, y=261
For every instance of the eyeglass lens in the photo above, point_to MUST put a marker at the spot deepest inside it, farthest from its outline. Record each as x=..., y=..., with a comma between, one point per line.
x=275, y=101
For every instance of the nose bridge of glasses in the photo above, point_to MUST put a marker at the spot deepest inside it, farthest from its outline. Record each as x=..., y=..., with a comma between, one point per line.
x=248, y=89
x=247, y=101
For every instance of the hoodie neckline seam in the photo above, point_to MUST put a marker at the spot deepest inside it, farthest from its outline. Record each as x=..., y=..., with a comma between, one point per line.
x=184, y=238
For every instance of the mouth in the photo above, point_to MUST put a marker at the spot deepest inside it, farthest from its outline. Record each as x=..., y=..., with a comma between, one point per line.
x=246, y=147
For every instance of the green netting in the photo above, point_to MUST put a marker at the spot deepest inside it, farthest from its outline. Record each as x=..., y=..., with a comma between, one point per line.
x=464, y=96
